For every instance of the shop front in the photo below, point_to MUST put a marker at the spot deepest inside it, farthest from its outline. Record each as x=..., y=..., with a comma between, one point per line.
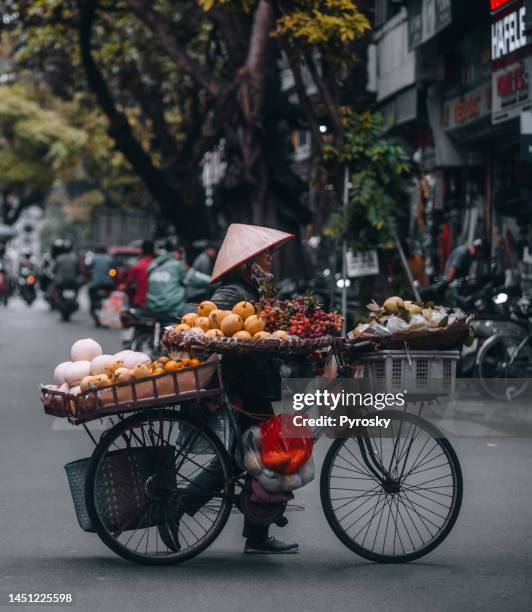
x=511, y=171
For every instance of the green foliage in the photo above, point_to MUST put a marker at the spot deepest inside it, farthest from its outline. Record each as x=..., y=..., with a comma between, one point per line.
x=378, y=176
x=37, y=145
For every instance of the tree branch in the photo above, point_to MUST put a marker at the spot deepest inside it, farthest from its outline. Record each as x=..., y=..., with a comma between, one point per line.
x=165, y=36
x=304, y=101
x=327, y=98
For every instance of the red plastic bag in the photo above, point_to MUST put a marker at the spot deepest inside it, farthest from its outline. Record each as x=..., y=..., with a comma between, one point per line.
x=285, y=455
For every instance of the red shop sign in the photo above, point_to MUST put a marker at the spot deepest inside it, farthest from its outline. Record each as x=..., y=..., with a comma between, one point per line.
x=511, y=82
x=496, y=5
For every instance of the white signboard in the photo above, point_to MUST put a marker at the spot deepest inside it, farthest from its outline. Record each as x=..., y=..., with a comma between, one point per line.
x=508, y=33
x=362, y=264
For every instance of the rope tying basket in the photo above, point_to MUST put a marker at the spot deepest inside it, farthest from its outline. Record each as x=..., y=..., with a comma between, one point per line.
x=171, y=387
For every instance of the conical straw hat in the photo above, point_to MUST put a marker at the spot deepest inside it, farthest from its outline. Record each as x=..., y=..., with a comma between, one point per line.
x=242, y=242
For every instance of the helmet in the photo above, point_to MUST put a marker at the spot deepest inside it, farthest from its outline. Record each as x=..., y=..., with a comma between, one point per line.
x=57, y=247
x=481, y=246
x=67, y=246
x=172, y=243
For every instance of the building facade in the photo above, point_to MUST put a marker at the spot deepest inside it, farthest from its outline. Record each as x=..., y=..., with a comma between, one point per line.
x=453, y=81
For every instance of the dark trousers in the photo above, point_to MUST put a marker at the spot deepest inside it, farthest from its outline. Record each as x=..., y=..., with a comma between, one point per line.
x=210, y=481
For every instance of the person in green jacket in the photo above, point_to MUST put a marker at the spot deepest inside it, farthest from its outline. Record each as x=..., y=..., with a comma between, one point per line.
x=168, y=277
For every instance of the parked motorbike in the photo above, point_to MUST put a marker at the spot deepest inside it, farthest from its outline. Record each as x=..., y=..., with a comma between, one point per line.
x=27, y=285
x=493, y=307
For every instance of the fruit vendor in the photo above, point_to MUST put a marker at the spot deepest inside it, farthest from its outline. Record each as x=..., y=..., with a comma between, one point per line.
x=244, y=268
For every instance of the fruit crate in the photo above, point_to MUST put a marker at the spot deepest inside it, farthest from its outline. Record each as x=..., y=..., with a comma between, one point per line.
x=155, y=391
x=424, y=375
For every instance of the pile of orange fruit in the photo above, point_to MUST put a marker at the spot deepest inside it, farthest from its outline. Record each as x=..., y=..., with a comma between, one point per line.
x=241, y=323
x=164, y=364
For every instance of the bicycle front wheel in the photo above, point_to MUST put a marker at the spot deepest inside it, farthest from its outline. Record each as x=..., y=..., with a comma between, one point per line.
x=159, y=488
x=392, y=496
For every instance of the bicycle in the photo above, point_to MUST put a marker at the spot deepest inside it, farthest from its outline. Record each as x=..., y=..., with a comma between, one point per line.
x=505, y=359
x=390, y=498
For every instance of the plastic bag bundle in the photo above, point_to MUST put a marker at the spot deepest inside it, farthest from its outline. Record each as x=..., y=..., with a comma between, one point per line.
x=279, y=452
x=111, y=308
x=274, y=481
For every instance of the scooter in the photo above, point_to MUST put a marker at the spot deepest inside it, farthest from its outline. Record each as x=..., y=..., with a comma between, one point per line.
x=26, y=285
x=100, y=294
x=494, y=311
x=65, y=300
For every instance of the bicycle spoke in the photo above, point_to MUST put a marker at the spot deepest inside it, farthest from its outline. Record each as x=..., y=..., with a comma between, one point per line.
x=414, y=506
x=369, y=524
x=413, y=490
x=352, y=499
x=357, y=508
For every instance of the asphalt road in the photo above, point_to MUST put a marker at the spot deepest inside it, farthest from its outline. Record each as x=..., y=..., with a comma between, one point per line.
x=485, y=564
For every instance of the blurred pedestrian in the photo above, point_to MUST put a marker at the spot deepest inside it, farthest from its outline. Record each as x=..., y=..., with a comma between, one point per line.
x=460, y=262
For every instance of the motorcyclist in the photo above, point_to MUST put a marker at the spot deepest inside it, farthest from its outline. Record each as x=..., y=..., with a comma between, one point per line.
x=167, y=277
x=204, y=262
x=100, y=278
x=137, y=275
x=67, y=271
x=6, y=275
x=27, y=260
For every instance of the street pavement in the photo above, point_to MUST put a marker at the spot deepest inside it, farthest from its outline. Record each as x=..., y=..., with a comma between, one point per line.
x=485, y=564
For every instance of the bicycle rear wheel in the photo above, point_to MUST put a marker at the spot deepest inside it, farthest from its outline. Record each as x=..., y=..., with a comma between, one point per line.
x=158, y=488
x=392, y=496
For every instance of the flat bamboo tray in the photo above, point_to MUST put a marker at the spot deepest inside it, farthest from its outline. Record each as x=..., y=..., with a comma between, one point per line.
x=267, y=346
x=446, y=338
x=155, y=391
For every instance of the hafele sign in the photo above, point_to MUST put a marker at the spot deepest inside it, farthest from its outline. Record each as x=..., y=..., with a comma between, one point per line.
x=464, y=110
x=511, y=90
x=426, y=18
x=508, y=31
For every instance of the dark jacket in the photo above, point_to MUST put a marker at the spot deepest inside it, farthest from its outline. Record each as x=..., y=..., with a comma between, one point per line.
x=257, y=376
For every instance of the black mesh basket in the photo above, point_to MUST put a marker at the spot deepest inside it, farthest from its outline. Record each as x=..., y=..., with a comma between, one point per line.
x=120, y=487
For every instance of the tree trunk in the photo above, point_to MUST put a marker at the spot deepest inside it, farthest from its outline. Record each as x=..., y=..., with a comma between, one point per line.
x=161, y=187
